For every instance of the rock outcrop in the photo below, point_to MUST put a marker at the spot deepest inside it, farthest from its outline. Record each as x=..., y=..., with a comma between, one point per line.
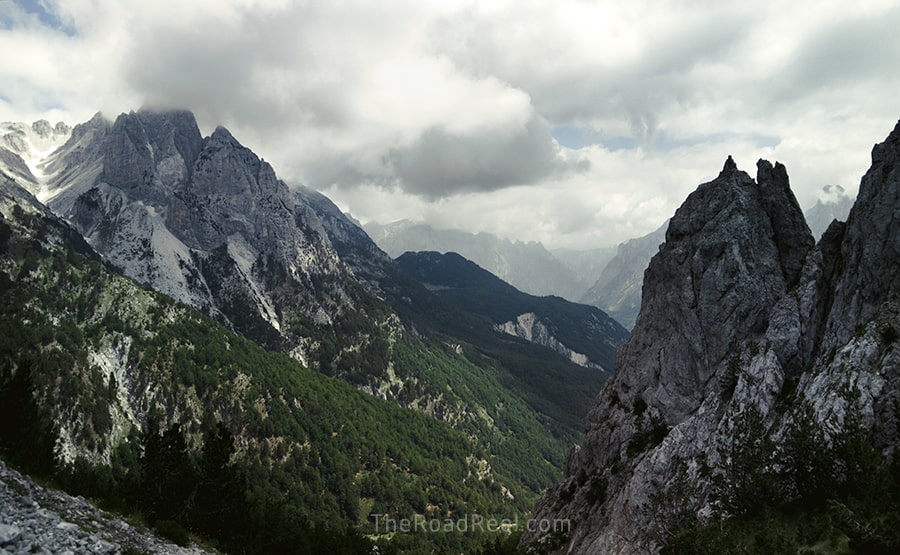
x=207, y=222
x=743, y=320
x=34, y=519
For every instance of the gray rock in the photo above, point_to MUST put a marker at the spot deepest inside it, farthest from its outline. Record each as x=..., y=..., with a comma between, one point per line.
x=60, y=523
x=9, y=534
x=736, y=303
x=203, y=220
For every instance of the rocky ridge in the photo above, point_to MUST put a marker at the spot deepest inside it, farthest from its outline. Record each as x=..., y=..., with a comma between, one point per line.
x=23, y=148
x=529, y=267
x=206, y=221
x=35, y=519
x=745, y=325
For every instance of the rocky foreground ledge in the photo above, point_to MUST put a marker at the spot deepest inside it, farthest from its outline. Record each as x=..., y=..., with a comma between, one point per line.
x=34, y=519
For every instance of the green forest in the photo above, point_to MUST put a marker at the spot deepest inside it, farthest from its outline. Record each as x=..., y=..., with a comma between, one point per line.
x=206, y=435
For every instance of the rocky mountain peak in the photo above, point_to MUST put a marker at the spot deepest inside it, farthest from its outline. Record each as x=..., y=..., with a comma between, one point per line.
x=43, y=129
x=712, y=283
x=222, y=135
x=151, y=151
x=742, y=314
x=790, y=232
x=729, y=167
x=204, y=220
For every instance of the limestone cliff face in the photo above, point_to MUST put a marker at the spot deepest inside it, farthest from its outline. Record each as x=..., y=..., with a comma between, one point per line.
x=206, y=221
x=742, y=315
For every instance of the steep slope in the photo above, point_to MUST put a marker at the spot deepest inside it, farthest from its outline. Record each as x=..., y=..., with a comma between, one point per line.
x=583, y=334
x=557, y=390
x=23, y=148
x=93, y=367
x=48, y=521
x=618, y=289
x=586, y=264
x=527, y=266
x=207, y=222
x=833, y=204
x=761, y=372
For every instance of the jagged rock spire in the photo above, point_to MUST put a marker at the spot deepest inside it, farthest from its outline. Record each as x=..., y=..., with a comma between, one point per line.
x=729, y=167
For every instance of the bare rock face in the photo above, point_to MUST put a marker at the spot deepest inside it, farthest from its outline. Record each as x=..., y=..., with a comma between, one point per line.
x=743, y=319
x=871, y=248
x=203, y=220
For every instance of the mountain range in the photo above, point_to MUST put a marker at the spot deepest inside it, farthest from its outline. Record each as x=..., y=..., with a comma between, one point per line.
x=185, y=337
x=184, y=290
x=529, y=267
x=609, y=278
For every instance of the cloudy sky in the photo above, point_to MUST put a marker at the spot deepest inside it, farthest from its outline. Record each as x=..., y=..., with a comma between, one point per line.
x=575, y=123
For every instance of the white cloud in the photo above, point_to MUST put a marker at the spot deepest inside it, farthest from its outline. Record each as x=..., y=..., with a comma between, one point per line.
x=444, y=110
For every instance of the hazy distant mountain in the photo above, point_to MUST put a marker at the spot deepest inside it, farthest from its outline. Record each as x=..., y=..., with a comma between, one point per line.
x=585, y=264
x=618, y=289
x=528, y=266
x=833, y=204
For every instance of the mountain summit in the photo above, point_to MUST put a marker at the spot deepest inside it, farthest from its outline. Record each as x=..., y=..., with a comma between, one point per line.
x=203, y=220
x=751, y=340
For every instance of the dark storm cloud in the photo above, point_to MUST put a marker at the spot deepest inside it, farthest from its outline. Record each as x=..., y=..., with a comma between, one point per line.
x=441, y=164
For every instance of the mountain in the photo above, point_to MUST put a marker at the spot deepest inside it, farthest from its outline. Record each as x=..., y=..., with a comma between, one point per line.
x=124, y=395
x=618, y=289
x=586, y=264
x=558, y=389
x=207, y=222
x=583, y=334
x=754, y=405
x=833, y=204
x=23, y=147
x=217, y=246
x=527, y=266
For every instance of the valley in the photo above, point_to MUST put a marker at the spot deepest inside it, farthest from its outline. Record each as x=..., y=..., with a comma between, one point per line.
x=191, y=342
